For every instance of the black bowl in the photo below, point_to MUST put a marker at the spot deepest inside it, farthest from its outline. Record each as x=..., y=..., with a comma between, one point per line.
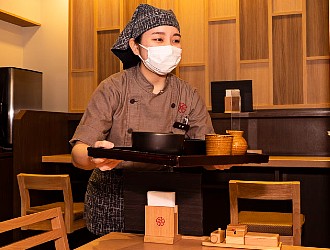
x=161, y=143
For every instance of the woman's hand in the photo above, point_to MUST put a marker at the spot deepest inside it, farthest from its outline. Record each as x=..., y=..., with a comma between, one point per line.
x=217, y=167
x=104, y=164
x=80, y=158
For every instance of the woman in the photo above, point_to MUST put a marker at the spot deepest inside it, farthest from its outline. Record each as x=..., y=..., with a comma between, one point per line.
x=143, y=97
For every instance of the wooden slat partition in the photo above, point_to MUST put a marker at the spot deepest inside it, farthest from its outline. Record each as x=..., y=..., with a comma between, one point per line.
x=107, y=62
x=82, y=35
x=222, y=65
x=318, y=29
x=287, y=60
x=253, y=30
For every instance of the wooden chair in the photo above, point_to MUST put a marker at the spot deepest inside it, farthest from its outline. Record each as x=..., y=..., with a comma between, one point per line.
x=72, y=212
x=57, y=233
x=288, y=225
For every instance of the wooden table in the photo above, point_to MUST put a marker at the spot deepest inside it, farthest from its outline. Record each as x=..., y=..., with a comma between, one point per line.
x=63, y=158
x=114, y=241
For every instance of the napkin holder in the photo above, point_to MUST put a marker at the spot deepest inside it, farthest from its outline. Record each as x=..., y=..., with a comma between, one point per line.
x=232, y=101
x=161, y=224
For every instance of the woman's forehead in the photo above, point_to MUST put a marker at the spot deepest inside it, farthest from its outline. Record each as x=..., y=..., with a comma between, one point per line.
x=164, y=29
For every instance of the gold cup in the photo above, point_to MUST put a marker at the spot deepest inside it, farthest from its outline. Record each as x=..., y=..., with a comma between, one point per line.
x=217, y=144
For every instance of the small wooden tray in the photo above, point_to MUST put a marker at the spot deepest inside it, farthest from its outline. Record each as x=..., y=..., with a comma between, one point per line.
x=241, y=246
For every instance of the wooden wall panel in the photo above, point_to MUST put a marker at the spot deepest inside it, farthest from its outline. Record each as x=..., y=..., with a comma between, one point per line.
x=107, y=62
x=222, y=50
x=287, y=6
x=82, y=34
x=253, y=20
x=191, y=16
x=108, y=13
x=317, y=25
x=221, y=9
x=167, y=5
x=287, y=60
x=228, y=39
x=261, y=88
x=195, y=76
x=129, y=8
x=83, y=85
x=318, y=81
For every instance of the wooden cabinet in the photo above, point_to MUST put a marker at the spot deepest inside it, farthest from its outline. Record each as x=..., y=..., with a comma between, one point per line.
x=283, y=46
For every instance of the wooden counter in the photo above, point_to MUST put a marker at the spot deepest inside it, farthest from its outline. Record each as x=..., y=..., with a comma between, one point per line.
x=116, y=241
x=295, y=161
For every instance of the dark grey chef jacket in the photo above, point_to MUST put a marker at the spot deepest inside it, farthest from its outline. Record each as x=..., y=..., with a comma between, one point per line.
x=123, y=103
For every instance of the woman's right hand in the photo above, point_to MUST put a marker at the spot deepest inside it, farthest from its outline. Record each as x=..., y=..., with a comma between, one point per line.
x=104, y=164
x=80, y=158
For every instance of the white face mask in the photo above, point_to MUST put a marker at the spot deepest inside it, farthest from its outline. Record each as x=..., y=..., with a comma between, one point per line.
x=162, y=59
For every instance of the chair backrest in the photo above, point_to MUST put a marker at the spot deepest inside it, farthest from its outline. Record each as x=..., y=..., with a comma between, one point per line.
x=57, y=234
x=267, y=190
x=62, y=182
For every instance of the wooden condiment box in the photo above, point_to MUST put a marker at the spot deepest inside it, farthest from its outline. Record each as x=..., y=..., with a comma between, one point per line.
x=262, y=239
x=235, y=234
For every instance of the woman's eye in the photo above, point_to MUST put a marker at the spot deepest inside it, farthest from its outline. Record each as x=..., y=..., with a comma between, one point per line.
x=176, y=41
x=158, y=39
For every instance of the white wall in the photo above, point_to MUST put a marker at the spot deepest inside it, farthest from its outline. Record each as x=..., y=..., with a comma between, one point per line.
x=11, y=45
x=43, y=48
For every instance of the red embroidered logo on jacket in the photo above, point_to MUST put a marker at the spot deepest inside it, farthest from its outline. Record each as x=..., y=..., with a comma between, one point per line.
x=182, y=107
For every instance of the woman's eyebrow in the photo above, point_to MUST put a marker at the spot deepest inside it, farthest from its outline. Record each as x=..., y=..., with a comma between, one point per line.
x=158, y=33
x=163, y=33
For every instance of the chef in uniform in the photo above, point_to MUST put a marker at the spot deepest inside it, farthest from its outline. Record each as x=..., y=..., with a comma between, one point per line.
x=145, y=96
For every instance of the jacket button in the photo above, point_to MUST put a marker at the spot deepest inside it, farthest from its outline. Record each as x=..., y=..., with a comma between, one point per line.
x=132, y=101
x=130, y=130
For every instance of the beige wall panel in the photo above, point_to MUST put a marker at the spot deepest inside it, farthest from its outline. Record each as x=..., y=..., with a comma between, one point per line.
x=253, y=21
x=82, y=30
x=82, y=88
x=317, y=27
x=192, y=20
x=280, y=6
x=107, y=62
x=222, y=50
x=195, y=76
x=108, y=13
x=287, y=60
x=222, y=8
x=129, y=8
x=261, y=88
x=318, y=81
x=166, y=5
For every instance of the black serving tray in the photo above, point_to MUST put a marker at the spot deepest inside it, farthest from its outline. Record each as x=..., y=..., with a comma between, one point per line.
x=127, y=154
